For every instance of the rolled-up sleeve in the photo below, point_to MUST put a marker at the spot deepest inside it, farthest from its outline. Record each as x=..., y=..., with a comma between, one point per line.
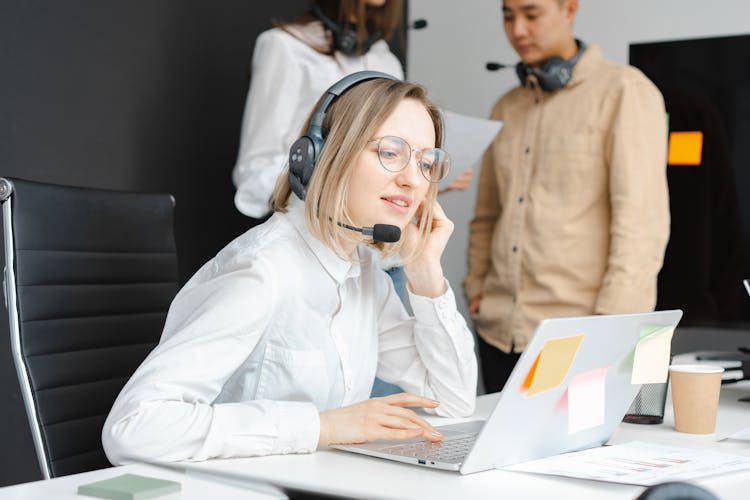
x=430, y=354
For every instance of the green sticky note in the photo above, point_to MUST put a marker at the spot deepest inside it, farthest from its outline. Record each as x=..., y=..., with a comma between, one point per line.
x=129, y=487
x=651, y=356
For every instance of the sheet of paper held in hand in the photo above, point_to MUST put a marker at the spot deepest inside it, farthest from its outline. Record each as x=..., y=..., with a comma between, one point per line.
x=466, y=138
x=637, y=463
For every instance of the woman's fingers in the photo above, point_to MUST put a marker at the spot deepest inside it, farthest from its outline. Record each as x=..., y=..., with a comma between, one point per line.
x=399, y=434
x=397, y=404
x=406, y=399
x=414, y=419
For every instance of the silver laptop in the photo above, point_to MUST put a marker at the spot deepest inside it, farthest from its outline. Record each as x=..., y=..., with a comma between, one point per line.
x=569, y=391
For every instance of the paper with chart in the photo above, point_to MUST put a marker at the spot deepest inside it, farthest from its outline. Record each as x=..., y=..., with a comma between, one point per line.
x=638, y=463
x=743, y=435
x=466, y=138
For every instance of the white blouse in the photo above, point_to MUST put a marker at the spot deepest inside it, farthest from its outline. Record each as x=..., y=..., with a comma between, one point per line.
x=273, y=330
x=288, y=77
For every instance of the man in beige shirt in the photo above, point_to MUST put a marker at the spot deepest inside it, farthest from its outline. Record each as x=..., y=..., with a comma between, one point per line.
x=572, y=212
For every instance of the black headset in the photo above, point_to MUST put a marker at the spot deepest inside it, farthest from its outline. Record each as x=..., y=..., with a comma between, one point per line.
x=305, y=151
x=554, y=74
x=345, y=37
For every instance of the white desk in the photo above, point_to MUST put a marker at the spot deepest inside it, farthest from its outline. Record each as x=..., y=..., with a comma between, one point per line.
x=349, y=475
x=340, y=473
x=64, y=488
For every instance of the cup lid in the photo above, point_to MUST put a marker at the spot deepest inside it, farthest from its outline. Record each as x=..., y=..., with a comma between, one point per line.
x=694, y=368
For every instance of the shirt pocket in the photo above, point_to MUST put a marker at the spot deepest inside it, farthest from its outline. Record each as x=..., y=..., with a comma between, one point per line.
x=572, y=165
x=293, y=375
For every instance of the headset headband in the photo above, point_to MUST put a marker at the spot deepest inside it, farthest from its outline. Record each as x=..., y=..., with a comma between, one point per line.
x=306, y=150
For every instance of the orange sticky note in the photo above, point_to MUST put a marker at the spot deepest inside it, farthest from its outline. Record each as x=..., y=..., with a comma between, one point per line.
x=586, y=400
x=554, y=362
x=530, y=376
x=685, y=148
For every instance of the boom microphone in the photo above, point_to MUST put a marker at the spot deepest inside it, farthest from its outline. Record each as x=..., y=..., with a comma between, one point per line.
x=384, y=233
x=417, y=24
x=494, y=66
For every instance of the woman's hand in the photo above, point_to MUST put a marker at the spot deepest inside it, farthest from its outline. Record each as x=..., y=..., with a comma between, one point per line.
x=377, y=418
x=424, y=273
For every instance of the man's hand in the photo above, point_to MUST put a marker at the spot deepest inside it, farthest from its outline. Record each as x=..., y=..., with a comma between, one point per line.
x=461, y=182
x=474, y=304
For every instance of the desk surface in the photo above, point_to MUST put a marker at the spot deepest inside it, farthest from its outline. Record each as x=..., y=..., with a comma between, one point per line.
x=341, y=473
x=65, y=488
x=345, y=474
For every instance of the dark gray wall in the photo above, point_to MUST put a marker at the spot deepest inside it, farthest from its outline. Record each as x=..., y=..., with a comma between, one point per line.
x=132, y=95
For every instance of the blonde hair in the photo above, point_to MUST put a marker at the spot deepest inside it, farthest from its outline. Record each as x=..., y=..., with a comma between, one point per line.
x=352, y=120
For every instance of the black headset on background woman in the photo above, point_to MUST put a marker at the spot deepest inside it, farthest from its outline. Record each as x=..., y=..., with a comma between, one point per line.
x=345, y=37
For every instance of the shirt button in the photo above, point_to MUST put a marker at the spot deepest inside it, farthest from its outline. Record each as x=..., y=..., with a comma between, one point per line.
x=515, y=249
x=528, y=150
x=520, y=199
x=536, y=100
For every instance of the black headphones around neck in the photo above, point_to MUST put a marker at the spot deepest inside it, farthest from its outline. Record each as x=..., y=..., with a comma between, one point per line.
x=554, y=74
x=305, y=151
x=345, y=37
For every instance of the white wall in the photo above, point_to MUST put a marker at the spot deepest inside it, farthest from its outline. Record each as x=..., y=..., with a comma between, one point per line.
x=449, y=57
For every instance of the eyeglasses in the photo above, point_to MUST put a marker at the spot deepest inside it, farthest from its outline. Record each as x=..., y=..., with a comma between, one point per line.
x=394, y=154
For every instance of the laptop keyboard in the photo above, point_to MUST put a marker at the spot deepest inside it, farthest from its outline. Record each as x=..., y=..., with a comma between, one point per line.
x=448, y=451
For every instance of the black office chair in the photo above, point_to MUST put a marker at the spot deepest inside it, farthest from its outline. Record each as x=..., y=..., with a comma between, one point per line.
x=89, y=277
x=676, y=490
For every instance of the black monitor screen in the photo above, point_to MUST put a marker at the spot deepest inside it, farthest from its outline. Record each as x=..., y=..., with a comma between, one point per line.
x=706, y=88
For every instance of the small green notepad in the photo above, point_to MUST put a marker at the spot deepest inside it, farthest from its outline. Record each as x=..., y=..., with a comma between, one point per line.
x=129, y=487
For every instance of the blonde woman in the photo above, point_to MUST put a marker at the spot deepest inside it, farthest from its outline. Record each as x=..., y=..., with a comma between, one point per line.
x=273, y=345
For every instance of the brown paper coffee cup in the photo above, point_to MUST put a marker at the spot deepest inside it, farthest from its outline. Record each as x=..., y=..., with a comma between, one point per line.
x=695, y=397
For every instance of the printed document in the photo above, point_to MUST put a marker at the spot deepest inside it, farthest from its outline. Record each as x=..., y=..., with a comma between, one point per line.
x=637, y=463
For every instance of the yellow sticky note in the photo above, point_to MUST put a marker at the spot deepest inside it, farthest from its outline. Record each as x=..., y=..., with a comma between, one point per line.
x=586, y=400
x=685, y=148
x=554, y=362
x=651, y=357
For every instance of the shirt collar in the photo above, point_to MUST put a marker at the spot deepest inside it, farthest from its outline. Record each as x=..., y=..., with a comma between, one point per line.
x=586, y=65
x=339, y=269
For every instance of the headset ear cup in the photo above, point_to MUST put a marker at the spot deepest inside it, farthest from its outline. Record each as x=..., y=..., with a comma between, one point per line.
x=346, y=40
x=301, y=165
x=551, y=73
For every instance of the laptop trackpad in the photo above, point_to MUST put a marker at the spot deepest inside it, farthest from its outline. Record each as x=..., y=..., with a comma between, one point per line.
x=472, y=427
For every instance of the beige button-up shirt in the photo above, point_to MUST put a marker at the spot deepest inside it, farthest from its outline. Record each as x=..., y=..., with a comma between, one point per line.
x=572, y=212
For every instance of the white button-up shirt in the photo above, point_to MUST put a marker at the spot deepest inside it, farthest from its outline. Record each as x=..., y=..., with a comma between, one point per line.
x=288, y=77
x=273, y=330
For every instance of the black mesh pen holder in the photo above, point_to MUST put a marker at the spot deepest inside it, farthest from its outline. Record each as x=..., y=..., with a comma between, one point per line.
x=648, y=405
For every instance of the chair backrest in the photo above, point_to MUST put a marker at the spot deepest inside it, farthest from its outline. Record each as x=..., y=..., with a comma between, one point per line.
x=89, y=277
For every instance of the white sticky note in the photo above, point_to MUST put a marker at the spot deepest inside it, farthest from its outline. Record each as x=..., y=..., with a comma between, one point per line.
x=586, y=400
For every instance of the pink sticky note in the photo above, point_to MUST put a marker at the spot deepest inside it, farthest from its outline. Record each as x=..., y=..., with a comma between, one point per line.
x=586, y=396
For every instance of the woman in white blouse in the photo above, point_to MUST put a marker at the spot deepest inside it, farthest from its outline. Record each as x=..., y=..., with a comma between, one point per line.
x=292, y=65
x=273, y=345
